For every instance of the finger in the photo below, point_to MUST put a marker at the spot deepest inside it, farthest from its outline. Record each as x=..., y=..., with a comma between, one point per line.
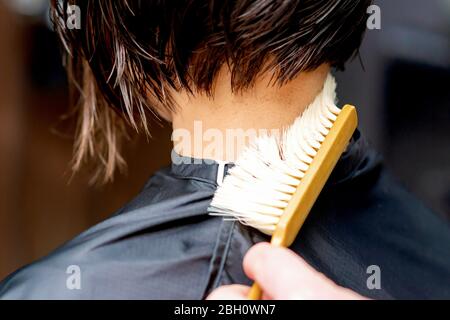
x=231, y=292
x=274, y=270
x=284, y=275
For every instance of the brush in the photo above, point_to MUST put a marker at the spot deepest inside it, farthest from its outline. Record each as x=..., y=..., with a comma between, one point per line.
x=277, y=179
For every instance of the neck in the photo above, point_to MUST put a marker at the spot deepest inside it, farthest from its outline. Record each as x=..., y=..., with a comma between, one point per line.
x=204, y=126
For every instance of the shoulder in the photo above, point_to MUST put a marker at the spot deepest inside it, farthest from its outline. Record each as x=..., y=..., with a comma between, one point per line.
x=377, y=222
x=151, y=249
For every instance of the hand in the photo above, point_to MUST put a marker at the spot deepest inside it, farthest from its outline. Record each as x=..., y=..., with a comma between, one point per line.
x=283, y=275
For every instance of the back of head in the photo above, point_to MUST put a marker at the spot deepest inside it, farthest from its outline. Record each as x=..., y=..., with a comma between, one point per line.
x=129, y=55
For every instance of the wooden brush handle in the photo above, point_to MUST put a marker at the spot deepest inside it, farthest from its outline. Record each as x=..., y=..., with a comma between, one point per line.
x=312, y=183
x=255, y=292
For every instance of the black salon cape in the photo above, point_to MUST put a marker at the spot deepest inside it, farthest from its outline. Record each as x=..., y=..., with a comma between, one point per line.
x=164, y=245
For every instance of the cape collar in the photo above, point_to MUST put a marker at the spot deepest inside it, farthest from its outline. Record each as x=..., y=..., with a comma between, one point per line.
x=357, y=160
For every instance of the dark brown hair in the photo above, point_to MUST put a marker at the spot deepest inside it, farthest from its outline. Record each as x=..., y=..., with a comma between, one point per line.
x=129, y=54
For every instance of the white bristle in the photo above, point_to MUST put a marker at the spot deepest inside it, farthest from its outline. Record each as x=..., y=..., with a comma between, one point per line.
x=258, y=188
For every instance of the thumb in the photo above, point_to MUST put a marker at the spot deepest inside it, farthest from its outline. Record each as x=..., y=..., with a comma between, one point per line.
x=284, y=275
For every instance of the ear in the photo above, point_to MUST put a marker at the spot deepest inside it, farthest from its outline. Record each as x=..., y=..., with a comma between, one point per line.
x=164, y=113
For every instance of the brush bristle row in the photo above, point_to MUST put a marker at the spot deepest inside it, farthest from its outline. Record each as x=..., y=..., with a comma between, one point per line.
x=258, y=188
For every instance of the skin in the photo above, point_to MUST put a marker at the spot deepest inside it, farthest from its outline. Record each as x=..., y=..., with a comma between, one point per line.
x=298, y=281
x=263, y=106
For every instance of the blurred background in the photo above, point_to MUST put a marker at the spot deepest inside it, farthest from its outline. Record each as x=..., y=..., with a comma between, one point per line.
x=402, y=91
